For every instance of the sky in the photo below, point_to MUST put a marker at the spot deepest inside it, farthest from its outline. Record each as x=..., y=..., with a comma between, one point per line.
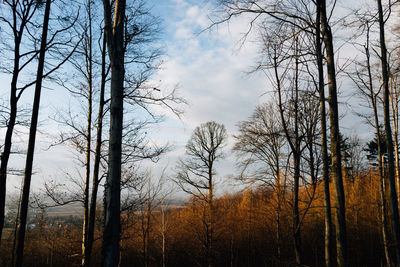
x=210, y=69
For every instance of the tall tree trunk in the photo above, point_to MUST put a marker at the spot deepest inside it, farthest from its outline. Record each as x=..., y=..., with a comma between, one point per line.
x=296, y=157
x=115, y=42
x=380, y=157
x=340, y=218
x=210, y=255
x=295, y=148
x=395, y=117
x=389, y=140
x=5, y=155
x=97, y=158
x=163, y=235
x=296, y=213
x=89, y=69
x=31, y=142
x=279, y=208
x=324, y=149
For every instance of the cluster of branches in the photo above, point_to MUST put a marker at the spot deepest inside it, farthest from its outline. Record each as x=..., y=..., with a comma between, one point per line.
x=297, y=42
x=86, y=53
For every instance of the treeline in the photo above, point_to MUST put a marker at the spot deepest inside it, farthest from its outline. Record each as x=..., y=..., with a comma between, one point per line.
x=246, y=231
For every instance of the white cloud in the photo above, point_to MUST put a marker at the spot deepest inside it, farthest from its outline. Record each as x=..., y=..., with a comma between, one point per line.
x=210, y=70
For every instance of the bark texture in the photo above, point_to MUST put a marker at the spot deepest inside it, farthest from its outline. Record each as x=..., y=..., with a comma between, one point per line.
x=115, y=43
x=336, y=164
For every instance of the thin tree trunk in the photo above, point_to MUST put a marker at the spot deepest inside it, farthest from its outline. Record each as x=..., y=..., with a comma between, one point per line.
x=295, y=148
x=395, y=117
x=115, y=42
x=278, y=210
x=31, y=142
x=97, y=158
x=324, y=138
x=389, y=140
x=297, y=156
x=380, y=158
x=210, y=257
x=147, y=236
x=5, y=155
x=89, y=62
x=384, y=229
x=163, y=233
x=340, y=218
x=296, y=214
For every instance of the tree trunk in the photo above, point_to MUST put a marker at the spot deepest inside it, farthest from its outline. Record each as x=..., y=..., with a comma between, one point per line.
x=296, y=158
x=163, y=234
x=97, y=158
x=340, y=218
x=295, y=148
x=278, y=209
x=324, y=149
x=380, y=159
x=389, y=141
x=296, y=214
x=395, y=117
x=210, y=256
x=5, y=155
x=89, y=60
x=31, y=142
x=115, y=42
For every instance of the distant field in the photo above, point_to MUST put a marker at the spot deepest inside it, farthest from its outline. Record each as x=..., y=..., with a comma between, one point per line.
x=67, y=210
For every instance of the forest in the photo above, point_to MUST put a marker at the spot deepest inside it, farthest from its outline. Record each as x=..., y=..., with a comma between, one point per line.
x=287, y=185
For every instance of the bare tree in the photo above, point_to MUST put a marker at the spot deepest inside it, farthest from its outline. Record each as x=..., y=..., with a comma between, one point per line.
x=324, y=141
x=97, y=157
x=336, y=164
x=388, y=131
x=260, y=148
x=31, y=143
x=195, y=174
x=300, y=17
x=19, y=17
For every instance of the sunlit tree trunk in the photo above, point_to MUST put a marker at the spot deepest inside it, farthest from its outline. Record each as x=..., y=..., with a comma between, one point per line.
x=388, y=130
x=336, y=164
x=373, y=100
x=394, y=100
